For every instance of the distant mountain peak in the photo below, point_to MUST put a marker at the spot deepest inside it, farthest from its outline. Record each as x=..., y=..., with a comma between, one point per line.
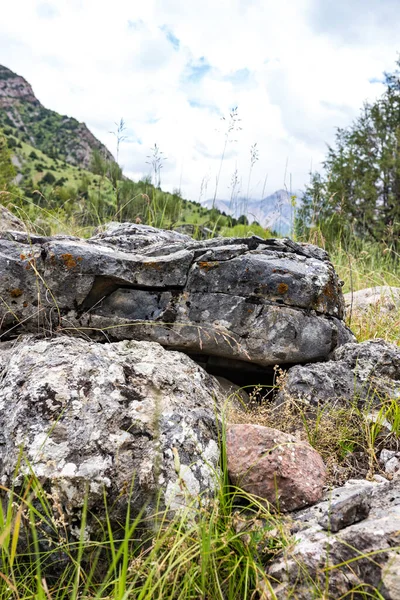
x=54, y=134
x=275, y=212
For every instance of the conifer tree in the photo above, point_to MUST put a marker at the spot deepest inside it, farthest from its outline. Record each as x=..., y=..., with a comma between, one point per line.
x=359, y=190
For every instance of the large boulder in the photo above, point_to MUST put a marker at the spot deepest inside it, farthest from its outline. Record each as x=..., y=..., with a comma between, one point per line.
x=129, y=419
x=357, y=374
x=251, y=300
x=346, y=546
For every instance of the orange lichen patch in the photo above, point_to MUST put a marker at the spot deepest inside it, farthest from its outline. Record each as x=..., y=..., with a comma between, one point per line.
x=207, y=266
x=22, y=256
x=25, y=304
x=16, y=293
x=69, y=260
x=152, y=265
x=280, y=271
x=330, y=290
x=327, y=298
x=282, y=288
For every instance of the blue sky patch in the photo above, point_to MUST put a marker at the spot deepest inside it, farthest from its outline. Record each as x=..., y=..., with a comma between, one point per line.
x=46, y=11
x=239, y=76
x=132, y=138
x=196, y=70
x=135, y=25
x=210, y=107
x=376, y=80
x=171, y=37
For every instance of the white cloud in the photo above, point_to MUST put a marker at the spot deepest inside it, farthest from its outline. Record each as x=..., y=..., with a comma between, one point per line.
x=296, y=70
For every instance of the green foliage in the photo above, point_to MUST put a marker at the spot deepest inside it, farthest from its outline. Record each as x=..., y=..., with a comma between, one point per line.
x=359, y=192
x=48, y=178
x=245, y=231
x=56, y=197
x=243, y=220
x=58, y=136
x=7, y=170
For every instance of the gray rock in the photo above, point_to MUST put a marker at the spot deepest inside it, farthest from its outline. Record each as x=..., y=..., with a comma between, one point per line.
x=345, y=511
x=361, y=556
x=386, y=455
x=390, y=461
x=392, y=465
x=9, y=221
x=250, y=300
x=365, y=372
x=381, y=299
x=127, y=418
x=130, y=237
x=391, y=575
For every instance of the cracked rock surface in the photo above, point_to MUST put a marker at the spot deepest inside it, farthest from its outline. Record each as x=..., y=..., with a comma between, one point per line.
x=260, y=301
x=350, y=541
x=128, y=418
x=357, y=373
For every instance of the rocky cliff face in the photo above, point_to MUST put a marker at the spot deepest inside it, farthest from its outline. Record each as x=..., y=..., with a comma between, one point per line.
x=14, y=88
x=45, y=129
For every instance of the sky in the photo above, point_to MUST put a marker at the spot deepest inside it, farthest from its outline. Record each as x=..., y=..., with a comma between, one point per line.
x=173, y=70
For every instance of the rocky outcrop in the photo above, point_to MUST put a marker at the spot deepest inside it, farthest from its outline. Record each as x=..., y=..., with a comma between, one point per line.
x=14, y=87
x=348, y=542
x=98, y=410
x=252, y=300
x=128, y=419
x=357, y=373
x=274, y=466
x=9, y=221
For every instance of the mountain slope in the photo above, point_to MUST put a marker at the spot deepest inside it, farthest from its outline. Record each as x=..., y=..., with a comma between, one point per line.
x=57, y=136
x=62, y=186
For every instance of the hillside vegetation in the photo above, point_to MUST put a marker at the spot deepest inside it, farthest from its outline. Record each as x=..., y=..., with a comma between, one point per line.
x=65, y=180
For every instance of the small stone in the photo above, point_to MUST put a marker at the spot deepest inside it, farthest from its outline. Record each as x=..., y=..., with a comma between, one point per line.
x=344, y=512
x=386, y=455
x=381, y=299
x=368, y=371
x=379, y=478
x=392, y=465
x=362, y=556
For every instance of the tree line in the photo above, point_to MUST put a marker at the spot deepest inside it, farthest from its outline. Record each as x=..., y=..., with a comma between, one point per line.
x=357, y=194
